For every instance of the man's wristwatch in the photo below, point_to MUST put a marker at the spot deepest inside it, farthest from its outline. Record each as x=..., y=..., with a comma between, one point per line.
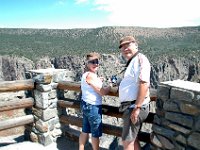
x=137, y=106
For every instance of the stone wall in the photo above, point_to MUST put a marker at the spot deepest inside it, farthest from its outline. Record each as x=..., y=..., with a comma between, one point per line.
x=177, y=121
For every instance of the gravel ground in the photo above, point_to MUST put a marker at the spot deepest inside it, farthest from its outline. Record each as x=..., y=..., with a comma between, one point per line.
x=62, y=144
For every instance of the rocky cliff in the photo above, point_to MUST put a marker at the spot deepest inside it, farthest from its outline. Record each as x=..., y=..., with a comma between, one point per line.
x=163, y=69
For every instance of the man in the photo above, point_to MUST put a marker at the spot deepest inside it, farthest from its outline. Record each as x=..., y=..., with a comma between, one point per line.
x=133, y=92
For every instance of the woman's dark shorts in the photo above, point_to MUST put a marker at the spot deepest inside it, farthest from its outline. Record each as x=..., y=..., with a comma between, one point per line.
x=92, y=119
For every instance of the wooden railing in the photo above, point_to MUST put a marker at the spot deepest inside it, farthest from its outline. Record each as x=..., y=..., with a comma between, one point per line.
x=12, y=86
x=63, y=103
x=112, y=111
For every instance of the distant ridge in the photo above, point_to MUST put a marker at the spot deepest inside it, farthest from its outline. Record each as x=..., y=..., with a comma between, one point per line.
x=35, y=43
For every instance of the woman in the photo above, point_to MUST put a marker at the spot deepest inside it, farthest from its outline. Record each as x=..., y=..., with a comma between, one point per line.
x=92, y=90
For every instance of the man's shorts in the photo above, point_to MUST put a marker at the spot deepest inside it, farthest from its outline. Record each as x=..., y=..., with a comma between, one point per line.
x=92, y=119
x=130, y=130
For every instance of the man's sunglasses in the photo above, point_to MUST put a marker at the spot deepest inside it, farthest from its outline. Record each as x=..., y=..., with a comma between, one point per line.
x=94, y=61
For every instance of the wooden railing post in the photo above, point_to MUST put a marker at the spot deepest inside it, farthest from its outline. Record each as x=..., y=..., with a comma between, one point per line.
x=46, y=128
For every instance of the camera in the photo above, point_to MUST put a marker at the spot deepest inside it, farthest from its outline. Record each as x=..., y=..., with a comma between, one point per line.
x=114, y=80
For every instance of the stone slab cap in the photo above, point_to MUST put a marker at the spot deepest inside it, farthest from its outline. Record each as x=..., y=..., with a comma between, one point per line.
x=56, y=74
x=193, y=86
x=50, y=71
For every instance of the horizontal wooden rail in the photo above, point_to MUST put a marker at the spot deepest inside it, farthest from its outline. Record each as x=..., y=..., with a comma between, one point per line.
x=106, y=109
x=107, y=129
x=69, y=85
x=71, y=103
x=16, y=104
x=12, y=86
x=76, y=86
x=15, y=122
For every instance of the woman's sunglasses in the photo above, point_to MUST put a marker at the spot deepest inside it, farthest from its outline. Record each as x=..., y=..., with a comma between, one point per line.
x=94, y=61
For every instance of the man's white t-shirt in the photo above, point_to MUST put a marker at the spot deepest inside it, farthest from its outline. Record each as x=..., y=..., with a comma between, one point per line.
x=138, y=69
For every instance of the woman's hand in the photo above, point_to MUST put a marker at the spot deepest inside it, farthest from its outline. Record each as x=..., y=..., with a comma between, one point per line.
x=102, y=78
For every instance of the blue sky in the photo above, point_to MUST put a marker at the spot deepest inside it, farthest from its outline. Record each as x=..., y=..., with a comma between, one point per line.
x=67, y=14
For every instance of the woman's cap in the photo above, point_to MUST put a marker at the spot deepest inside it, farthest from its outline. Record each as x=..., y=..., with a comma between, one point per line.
x=125, y=40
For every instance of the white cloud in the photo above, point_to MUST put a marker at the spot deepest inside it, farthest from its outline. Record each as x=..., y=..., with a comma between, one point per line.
x=151, y=13
x=81, y=1
x=60, y=2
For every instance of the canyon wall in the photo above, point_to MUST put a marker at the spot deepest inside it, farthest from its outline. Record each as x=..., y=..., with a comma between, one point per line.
x=163, y=69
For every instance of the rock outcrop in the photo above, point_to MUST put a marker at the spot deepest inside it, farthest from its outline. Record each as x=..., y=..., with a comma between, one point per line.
x=164, y=69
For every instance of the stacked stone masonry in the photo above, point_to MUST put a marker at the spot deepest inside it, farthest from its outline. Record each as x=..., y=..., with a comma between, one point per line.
x=177, y=121
x=46, y=128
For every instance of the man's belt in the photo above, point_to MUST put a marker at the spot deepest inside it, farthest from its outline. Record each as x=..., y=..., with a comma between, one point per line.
x=131, y=104
x=143, y=106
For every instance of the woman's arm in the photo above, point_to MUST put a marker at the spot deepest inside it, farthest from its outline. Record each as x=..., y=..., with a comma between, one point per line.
x=92, y=79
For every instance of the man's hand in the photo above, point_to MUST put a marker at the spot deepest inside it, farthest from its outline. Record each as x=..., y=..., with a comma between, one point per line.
x=134, y=115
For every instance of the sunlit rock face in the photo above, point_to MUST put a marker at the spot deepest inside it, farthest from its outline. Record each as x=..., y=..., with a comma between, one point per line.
x=14, y=68
x=163, y=69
